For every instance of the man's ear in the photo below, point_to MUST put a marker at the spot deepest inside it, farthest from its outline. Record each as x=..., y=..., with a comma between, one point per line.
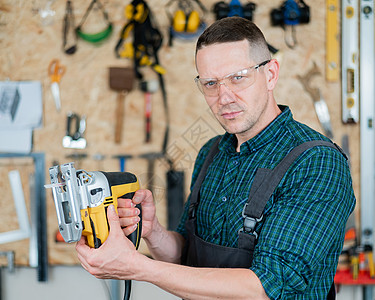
x=272, y=73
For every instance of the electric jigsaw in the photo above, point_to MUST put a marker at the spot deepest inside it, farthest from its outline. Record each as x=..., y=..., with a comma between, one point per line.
x=81, y=199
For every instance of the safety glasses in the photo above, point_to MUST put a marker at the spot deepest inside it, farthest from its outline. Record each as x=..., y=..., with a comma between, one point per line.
x=236, y=81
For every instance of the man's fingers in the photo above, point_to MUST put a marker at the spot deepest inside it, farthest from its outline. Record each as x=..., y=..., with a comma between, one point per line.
x=142, y=196
x=127, y=212
x=82, y=248
x=125, y=222
x=125, y=203
x=116, y=224
x=81, y=242
x=130, y=229
x=113, y=219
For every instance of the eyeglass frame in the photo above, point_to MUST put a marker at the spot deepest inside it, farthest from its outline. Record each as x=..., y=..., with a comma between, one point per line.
x=218, y=80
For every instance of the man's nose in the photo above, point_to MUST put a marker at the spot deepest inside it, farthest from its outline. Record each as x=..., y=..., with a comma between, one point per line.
x=225, y=93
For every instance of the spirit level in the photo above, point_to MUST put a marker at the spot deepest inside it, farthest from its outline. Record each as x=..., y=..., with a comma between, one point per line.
x=332, y=41
x=349, y=57
x=367, y=133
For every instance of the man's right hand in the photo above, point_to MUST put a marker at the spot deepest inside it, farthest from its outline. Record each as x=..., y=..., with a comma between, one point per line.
x=129, y=214
x=163, y=244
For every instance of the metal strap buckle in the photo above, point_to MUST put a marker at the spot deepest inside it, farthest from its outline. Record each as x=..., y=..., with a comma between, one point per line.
x=249, y=223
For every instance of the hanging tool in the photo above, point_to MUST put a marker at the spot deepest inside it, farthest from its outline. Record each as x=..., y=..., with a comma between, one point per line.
x=332, y=41
x=10, y=260
x=148, y=87
x=99, y=36
x=69, y=32
x=19, y=202
x=74, y=137
x=186, y=19
x=120, y=80
x=10, y=265
x=147, y=38
x=47, y=14
x=320, y=105
x=354, y=263
x=349, y=61
x=9, y=101
x=222, y=9
x=291, y=13
x=122, y=160
x=367, y=111
x=55, y=72
x=40, y=211
x=143, y=50
x=33, y=242
x=175, y=197
x=151, y=159
x=41, y=216
x=369, y=259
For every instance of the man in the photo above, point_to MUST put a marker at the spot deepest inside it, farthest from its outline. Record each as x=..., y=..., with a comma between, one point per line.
x=298, y=238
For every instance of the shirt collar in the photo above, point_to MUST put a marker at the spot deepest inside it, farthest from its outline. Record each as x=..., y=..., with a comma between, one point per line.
x=229, y=141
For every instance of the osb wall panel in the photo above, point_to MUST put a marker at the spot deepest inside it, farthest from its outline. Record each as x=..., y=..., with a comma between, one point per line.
x=28, y=43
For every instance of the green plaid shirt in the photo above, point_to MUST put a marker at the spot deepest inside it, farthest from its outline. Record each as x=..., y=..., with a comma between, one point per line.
x=302, y=231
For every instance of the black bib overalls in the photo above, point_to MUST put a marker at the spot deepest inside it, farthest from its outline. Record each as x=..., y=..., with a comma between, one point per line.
x=199, y=253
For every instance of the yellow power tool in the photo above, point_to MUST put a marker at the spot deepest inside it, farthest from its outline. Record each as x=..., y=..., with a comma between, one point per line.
x=82, y=198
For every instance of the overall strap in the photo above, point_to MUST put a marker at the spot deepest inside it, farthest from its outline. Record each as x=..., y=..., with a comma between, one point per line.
x=264, y=184
x=194, y=199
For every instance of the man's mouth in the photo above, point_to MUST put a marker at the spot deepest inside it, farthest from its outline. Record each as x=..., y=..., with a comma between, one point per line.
x=230, y=115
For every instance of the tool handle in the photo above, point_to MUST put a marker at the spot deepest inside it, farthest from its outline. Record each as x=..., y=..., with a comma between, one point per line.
x=148, y=111
x=119, y=116
x=148, y=129
x=135, y=237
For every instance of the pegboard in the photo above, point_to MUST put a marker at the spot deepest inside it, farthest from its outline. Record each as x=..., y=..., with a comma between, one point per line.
x=29, y=42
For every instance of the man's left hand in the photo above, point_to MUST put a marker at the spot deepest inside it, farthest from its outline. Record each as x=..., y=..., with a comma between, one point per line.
x=115, y=258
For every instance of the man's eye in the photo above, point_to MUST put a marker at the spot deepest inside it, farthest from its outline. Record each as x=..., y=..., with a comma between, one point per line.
x=210, y=84
x=237, y=78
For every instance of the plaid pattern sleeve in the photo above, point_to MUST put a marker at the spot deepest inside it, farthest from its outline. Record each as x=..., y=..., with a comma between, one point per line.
x=301, y=235
x=303, y=232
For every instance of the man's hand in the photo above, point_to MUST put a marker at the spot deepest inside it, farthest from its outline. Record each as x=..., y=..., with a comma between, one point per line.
x=129, y=214
x=115, y=259
x=163, y=245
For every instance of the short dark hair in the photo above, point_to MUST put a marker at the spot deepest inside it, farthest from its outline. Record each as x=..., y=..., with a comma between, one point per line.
x=236, y=29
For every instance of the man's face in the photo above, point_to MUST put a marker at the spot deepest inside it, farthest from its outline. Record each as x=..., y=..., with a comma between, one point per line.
x=241, y=112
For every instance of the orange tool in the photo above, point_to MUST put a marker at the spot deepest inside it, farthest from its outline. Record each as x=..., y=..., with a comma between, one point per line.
x=55, y=72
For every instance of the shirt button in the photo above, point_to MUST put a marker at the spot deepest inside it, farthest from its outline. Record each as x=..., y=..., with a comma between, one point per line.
x=235, y=162
x=224, y=199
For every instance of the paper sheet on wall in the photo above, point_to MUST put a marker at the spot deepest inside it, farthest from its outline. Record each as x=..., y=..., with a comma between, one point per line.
x=21, y=111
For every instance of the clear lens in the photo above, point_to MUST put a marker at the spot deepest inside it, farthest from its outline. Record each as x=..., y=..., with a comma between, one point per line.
x=235, y=81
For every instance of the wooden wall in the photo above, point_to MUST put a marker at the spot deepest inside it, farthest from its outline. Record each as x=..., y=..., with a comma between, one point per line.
x=28, y=43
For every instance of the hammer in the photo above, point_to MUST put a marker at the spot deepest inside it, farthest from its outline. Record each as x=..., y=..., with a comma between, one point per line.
x=148, y=87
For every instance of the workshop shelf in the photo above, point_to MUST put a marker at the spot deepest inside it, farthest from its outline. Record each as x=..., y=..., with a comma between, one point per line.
x=346, y=277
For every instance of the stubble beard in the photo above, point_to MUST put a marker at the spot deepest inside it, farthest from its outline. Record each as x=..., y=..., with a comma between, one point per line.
x=245, y=122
